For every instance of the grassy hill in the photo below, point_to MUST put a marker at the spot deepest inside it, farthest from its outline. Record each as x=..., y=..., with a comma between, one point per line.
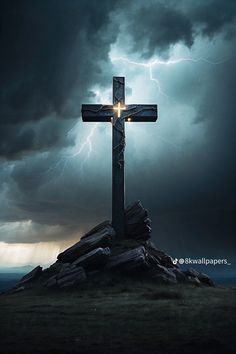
x=129, y=317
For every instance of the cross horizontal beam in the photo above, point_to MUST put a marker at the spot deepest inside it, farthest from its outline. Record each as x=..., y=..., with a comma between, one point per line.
x=132, y=112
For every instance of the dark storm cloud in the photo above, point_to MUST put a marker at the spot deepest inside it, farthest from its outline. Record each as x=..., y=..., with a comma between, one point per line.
x=50, y=50
x=192, y=202
x=51, y=54
x=213, y=16
x=157, y=26
x=51, y=192
x=23, y=138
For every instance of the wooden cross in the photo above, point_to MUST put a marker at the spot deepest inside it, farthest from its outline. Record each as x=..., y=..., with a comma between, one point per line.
x=118, y=114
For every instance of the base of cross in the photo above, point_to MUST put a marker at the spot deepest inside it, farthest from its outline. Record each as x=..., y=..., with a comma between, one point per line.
x=99, y=255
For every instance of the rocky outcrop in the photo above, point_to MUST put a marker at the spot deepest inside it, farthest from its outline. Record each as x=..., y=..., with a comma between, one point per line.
x=180, y=276
x=162, y=274
x=137, y=222
x=94, y=259
x=69, y=275
x=98, y=251
x=101, y=237
x=202, y=278
x=131, y=260
x=97, y=228
x=33, y=275
x=163, y=259
x=27, y=279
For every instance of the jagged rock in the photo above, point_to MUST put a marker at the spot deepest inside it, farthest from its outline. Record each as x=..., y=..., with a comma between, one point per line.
x=34, y=274
x=56, y=267
x=50, y=271
x=69, y=276
x=137, y=222
x=164, y=279
x=73, y=277
x=152, y=260
x=51, y=282
x=191, y=272
x=163, y=259
x=99, y=251
x=16, y=290
x=180, y=276
x=94, y=259
x=66, y=267
x=129, y=260
x=103, y=237
x=97, y=228
x=193, y=280
x=162, y=274
x=205, y=279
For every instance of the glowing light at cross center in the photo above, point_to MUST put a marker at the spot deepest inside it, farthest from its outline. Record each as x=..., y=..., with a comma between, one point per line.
x=119, y=108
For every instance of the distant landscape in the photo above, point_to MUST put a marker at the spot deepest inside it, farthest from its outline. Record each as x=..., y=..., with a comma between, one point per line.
x=10, y=276
x=7, y=280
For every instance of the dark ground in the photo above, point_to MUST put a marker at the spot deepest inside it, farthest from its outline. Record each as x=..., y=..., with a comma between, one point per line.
x=128, y=317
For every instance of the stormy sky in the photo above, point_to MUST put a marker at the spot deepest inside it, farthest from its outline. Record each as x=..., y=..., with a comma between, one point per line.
x=55, y=171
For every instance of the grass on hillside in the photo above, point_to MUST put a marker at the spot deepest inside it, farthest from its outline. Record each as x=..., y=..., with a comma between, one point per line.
x=128, y=317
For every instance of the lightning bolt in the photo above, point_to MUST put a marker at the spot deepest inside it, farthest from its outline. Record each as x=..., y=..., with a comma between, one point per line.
x=68, y=156
x=156, y=61
x=150, y=65
x=86, y=145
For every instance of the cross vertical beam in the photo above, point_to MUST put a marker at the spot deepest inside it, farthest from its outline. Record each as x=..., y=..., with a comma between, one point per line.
x=118, y=148
x=118, y=114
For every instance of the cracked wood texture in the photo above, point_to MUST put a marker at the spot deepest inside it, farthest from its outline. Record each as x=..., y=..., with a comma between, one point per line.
x=106, y=113
x=118, y=168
